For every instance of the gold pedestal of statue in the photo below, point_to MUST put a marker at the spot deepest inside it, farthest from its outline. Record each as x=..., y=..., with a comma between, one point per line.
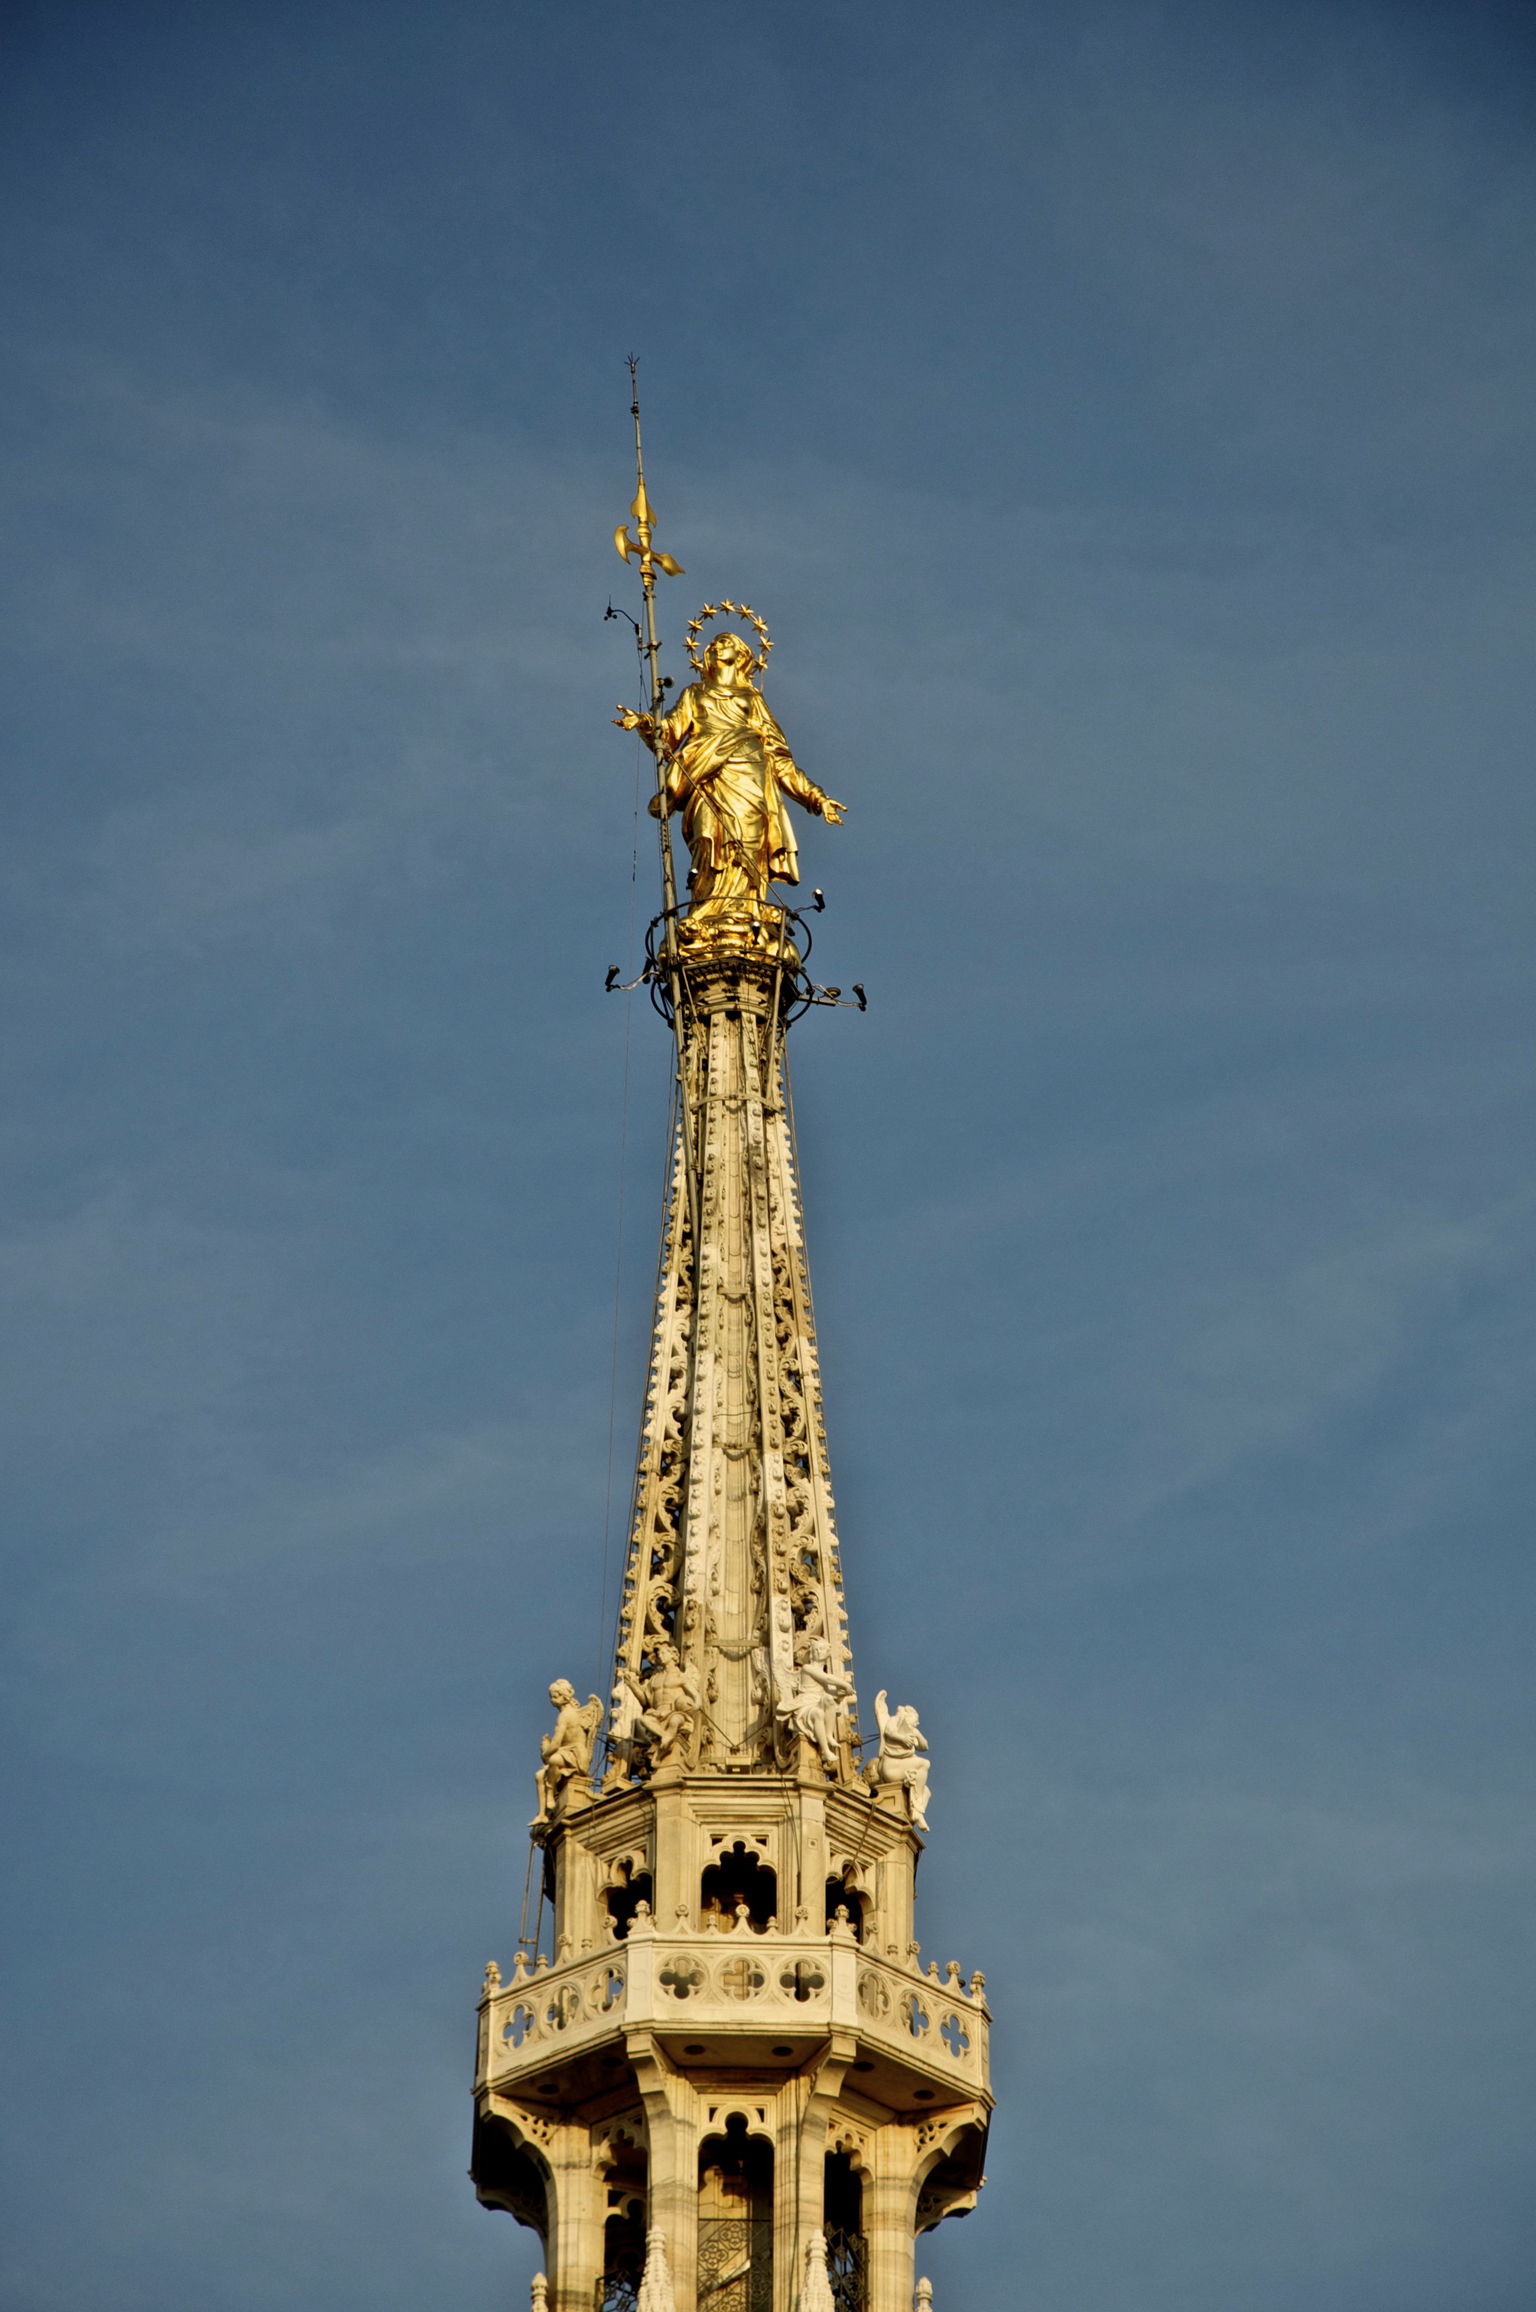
x=754, y=930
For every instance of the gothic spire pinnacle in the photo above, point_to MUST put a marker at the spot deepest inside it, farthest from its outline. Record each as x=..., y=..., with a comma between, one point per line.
x=735, y=2057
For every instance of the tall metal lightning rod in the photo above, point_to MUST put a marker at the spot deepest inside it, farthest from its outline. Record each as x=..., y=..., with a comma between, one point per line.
x=640, y=549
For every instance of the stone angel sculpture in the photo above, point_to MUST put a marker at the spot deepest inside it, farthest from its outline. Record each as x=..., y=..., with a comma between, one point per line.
x=901, y=1762
x=567, y=1752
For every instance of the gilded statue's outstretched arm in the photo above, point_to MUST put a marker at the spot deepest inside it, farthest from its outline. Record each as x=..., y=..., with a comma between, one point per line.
x=666, y=736
x=789, y=774
x=664, y=739
x=627, y=719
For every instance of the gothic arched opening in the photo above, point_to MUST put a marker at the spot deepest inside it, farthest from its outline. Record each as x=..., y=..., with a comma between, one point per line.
x=843, y=2224
x=739, y=1876
x=625, y=2172
x=841, y=1895
x=623, y=2258
x=624, y=1898
x=735, y=2221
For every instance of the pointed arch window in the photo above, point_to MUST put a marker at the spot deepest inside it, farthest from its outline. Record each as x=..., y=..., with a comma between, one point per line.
x=843, y=2222
x=735, y=2221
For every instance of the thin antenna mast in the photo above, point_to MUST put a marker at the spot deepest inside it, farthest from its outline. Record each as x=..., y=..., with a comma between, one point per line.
x=639, y=549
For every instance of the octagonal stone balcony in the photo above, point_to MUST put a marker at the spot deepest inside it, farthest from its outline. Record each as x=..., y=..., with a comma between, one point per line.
x=764, y=2001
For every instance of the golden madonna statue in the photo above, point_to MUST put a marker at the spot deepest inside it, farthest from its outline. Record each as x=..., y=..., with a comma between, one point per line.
x=727, y=767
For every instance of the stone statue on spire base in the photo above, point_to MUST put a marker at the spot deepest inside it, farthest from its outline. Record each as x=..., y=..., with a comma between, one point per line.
x=902, y=1760
x=670, y=1723
x=567, y=1752
x=814, y=1707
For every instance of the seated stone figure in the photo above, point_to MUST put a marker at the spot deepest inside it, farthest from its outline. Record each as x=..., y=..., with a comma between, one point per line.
x=669, y=1725
x=900, y=1762
x=815, y=1707
x=567, y=1752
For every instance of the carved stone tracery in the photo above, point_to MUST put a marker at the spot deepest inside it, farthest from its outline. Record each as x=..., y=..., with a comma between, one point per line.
x=733, y=1553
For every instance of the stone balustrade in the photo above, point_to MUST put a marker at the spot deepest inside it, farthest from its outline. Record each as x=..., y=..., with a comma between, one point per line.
x=704, y=1985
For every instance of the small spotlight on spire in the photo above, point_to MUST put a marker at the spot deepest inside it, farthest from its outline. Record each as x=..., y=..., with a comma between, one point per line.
x=612, y=981
x=819, y=901
x=863, y=999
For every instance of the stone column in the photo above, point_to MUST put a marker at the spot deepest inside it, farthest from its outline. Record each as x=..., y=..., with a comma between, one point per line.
x=889, y=2204
x=576, y=2211
x=672, y=2145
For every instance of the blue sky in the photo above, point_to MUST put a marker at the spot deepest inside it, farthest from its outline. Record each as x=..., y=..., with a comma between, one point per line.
x=1123, y=415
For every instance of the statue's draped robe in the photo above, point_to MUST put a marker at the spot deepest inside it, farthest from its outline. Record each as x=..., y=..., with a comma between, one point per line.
x=729, y=769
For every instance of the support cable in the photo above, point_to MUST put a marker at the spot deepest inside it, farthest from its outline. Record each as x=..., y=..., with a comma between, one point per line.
x=618, y=1257
x=524, y=1940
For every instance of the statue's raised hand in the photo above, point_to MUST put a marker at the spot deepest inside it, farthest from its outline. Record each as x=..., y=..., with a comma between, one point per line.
x=832, y=812
x=627, y=720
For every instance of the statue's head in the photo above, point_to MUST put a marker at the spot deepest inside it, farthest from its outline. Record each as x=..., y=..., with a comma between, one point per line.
x=561, y=1692
x=727, y=658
